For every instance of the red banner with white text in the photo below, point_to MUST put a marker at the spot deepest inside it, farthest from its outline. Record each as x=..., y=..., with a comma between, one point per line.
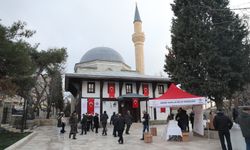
x=145, y=89
x=91, y=106
x=111, y=90
x=135, y=103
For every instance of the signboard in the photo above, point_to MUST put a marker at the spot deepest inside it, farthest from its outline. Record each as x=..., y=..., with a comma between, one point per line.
x=84, y=105
x=176, y=102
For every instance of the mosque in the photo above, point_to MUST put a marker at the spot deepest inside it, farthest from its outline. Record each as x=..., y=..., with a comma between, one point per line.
x=102, y=81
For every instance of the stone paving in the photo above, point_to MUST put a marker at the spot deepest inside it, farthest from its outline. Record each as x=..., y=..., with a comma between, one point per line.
x=48, y=139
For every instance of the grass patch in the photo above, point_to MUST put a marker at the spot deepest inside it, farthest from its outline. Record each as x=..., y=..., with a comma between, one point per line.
x=9, y=138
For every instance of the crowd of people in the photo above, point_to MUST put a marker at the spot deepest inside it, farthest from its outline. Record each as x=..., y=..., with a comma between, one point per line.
x=123, y=122
x=183, y=119
x=91, y=123
x=120, y=122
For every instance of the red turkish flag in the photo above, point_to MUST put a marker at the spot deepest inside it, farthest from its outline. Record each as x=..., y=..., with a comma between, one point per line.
x=163, y=110
x=91, y=105
x=145, y=89
x=111, y=90
x=135, y=103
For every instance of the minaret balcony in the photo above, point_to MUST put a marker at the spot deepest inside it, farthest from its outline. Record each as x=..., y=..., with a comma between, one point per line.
x=138, y=37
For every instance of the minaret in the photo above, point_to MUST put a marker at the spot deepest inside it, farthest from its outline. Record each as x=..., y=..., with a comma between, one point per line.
x=138, y=39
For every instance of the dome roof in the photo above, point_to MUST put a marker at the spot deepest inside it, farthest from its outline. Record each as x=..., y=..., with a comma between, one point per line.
x=102, y=53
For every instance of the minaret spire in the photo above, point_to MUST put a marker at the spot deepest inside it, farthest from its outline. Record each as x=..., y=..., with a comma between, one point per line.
x=137, y=14
x=138, y=38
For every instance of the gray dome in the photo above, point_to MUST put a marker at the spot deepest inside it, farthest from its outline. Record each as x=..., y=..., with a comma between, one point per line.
x=102, y=53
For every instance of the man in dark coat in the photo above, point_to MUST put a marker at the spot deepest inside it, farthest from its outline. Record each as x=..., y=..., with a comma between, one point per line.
x=235, y=114
x=244, y=122
x=63, y=123
x=120, y=128
x=223, y=124
x=112, y=118
x=145, y=122
x=59, y=122
x=113, y=121
x=179, y=117
x=84, y=124
x=185, y=121
x=96, y=122
x=73, y=125
x=128, y=121
x=89, y=122
x=104, y=120
x=191, y=118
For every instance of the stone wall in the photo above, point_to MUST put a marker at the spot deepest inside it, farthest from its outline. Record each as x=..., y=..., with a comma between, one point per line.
x=16, y=122
x=47, y=122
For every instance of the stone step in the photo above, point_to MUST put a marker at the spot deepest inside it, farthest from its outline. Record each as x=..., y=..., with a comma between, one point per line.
x=14, y=130
x=5, y=125
x=9, y=128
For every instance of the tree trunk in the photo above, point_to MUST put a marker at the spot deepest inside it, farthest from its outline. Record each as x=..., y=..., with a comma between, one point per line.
x=48, y=113
x=24, y=115
x=230, y=105
x=219, y=104
x=1, y=112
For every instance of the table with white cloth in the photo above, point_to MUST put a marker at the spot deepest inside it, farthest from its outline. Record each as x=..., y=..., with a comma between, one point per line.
x=172, y=129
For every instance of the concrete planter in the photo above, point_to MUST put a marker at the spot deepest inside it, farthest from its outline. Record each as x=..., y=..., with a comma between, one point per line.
x=16, y=121
x=157, y=122
x=212, y=134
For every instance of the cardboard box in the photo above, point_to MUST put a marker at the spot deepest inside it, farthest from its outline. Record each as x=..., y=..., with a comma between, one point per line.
x=185, y=136
x=153, y=131
x=148, y=138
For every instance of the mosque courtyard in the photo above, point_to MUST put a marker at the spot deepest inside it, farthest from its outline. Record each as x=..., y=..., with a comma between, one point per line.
x=46, y=138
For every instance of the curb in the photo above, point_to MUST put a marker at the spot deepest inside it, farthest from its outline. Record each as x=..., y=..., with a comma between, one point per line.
x=22, y=141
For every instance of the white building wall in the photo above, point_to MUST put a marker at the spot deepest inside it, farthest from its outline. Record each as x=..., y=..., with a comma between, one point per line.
x=110, y=107
x=105, y=89
x=157, y=91
x=162, y=115
x=143, y=108
x=124, y=87
x=109, y=66
x=151, y=113
x=100, y=66
x=85, y=89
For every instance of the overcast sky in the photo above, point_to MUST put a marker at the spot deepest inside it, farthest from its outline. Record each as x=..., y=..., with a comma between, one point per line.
x=80, y=25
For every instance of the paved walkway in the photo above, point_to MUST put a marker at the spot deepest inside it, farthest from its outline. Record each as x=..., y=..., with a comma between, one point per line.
x=238, y=142
x=48, y=139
